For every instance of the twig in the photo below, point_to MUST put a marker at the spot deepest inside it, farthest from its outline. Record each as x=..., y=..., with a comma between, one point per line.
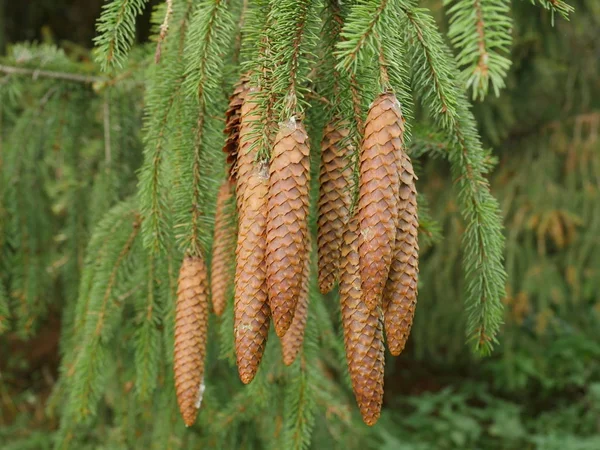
x=106, y=114
x=164, y=29
x=383, y=65
x=312, y=94
x=36, y=73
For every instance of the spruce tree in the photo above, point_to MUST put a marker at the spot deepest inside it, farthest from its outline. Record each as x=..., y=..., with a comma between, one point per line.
x=132, y=201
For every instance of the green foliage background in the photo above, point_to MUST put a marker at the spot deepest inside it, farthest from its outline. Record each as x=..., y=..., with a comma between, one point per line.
x=70, y=158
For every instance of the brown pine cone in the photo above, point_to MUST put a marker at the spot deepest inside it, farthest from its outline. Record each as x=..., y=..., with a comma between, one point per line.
x=400, y=294
x=287, y=228
x=378, y=194
x=233, y=117
x=251, y=321
x=291, y=342
x=223, y=249
x=363, y=334
x=191, y=323
x=335, y=200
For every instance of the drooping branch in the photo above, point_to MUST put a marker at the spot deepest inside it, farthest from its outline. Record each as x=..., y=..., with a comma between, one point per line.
x=37, y=73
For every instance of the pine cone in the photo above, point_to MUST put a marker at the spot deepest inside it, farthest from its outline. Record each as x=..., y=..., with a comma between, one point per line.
x=334, y=202
x=378, y=194
x=223, y=249
x=363, y=334
x=233, y=117
x=251, y=306
x=287, y=228
x=400, y=294
x=191, y=325
x=291, y=342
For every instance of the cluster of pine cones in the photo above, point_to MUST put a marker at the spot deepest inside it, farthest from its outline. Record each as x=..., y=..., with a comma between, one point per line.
x=371, y=248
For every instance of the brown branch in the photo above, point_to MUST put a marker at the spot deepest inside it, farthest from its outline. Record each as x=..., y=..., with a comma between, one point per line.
x=294, y=60
x=383, y=72
x=482, y=64
x=106, y=123
x=164, y=29
x=364, y=37
x=36, y=73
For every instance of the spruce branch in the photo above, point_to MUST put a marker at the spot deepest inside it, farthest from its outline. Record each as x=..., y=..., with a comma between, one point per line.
x=163, y=95
x=116, y=32
x=555, y=6
x=37, y=73
x=291, y=54
x=89, y=372
x=147, y=336
x=434, y=80
x=164, y=29
x=210, y=32
x=97, y=250
x=359, y=32
x=481, y=31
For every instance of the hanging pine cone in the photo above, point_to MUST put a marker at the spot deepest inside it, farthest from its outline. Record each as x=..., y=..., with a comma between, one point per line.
x=400, y=294
x=287, y=228
x=251, y=305
x=291, y=342
x=363, y=334
x=191, y=324
x=334, y=201
x=233, y=118
x=223, y=249
x=378, y=194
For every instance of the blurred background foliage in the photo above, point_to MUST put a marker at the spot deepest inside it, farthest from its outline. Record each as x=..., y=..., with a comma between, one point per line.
x=541, y=387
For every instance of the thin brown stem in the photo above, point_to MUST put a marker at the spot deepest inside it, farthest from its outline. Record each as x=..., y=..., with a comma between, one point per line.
x=164, y=29
x=106, y=121
x=36, y=73
x=482, y=64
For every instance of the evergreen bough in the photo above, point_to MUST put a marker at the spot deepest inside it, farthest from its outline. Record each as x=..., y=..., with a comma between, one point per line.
x=133, y=254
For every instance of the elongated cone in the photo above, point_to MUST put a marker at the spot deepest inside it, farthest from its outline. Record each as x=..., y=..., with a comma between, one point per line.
x=233, y=118
x=378, y=194
x=191, y=322
x=287, y=228
x=292, y=340
x=251, y=309
x=400, y=294
x=223, y=249
x=334, y=202
x=363, y=332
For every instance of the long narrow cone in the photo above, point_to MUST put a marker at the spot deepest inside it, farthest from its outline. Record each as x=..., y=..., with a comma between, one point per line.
x=363, y=333
x=334, y=201
x=400, y=294
x=291, y=342
x=378, y=194
x=191, y=323
x=251, y=321
x=223, y=249
x=287, y=228
x=233, y=119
